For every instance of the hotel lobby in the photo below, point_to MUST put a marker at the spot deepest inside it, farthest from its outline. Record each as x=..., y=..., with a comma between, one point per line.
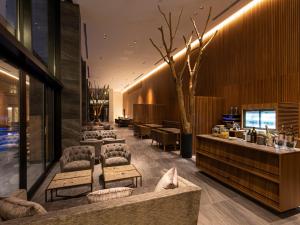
x=161, y=112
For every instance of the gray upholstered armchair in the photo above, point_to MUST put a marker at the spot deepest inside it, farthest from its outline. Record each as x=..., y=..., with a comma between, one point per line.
x=107, y=134
x=77, y=158
x=88, y=135
x=116, y=154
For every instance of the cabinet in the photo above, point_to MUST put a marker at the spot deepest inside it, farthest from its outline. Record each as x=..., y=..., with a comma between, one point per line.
x=269, y=176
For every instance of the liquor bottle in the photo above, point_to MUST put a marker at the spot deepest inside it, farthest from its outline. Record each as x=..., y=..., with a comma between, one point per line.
x=253, y=135
x=281, y=136
x=248, y=136
x=269, y=138
x=290, y=137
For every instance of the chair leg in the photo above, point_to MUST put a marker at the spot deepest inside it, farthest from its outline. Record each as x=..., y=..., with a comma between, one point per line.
x=164, y=148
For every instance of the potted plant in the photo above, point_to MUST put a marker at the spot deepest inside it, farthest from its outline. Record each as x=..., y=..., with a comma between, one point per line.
x=191, y=66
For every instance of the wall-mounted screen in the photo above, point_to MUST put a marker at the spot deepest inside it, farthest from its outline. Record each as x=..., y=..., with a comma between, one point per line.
x=268, y=118
x=252, y=119
x=259, y=119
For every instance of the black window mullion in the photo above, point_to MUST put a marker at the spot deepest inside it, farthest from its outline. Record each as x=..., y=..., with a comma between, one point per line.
x=23, y=132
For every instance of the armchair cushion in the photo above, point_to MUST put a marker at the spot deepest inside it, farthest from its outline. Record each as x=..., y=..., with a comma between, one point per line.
x=108, y=194
x=111, y=154
x=12, y=208
x=77, y=153
x=87, y=135
x=116, y=161
x=77, y=165
x=108, y=134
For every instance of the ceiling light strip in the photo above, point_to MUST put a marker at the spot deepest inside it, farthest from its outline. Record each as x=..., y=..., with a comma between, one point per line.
x=225, y=22
x=11, y=75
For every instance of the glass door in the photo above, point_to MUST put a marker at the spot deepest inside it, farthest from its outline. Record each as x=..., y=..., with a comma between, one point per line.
x=35, y=130
x=9, y=128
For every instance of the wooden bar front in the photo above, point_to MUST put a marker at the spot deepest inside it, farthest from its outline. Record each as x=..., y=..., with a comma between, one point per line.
x=270, y=176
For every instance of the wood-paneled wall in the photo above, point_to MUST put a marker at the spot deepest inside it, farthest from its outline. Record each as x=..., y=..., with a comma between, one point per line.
x=209, y=112
x=149, y=113
x=255, y=59
x=157, y=89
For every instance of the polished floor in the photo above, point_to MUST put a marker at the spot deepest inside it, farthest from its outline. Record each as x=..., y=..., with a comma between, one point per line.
x=220, y=205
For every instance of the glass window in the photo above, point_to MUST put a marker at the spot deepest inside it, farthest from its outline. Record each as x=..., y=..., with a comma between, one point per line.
x=40, y=28
x=9, y=129
x=8, y=14
x=35, y=130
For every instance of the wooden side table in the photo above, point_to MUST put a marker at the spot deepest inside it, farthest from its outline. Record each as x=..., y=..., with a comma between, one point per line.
x=69, y=180
x=119, y=173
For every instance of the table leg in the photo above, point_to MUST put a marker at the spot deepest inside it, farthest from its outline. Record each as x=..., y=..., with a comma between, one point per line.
x=136, y=182
x=141, y=181
x=51, y=192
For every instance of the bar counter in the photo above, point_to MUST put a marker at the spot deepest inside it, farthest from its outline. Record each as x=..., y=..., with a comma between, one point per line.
x=270, y=176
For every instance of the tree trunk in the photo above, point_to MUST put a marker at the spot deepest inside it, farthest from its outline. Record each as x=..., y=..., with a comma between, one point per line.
x=191, y=103
x=186, y=125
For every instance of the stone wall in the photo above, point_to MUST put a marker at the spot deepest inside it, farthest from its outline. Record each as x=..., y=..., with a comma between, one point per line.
x=70, y=73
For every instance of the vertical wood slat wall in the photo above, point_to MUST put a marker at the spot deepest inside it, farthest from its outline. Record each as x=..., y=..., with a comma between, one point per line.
x=209, y=112
x=149, y=113
x=255, y=59
x=157, y=89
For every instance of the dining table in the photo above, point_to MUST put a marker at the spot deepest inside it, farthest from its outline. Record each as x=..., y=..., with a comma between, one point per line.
x=153, y=125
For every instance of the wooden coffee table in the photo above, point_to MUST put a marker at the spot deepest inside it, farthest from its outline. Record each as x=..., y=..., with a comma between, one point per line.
x=119, y=173
x=69, y=180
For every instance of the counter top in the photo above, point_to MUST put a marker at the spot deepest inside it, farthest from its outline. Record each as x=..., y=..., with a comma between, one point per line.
x=242, y=143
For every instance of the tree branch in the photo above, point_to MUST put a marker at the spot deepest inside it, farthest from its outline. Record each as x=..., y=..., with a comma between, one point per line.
x=164, y=15
x=196, y=29
x=158, y=49
x=178, y=22
x=164, y=41
x=170, y=32
x=206, y=23
x=208, y=42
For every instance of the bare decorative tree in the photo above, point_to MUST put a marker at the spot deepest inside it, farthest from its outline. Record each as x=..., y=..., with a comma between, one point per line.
x=97, y=96
x=167, y=51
